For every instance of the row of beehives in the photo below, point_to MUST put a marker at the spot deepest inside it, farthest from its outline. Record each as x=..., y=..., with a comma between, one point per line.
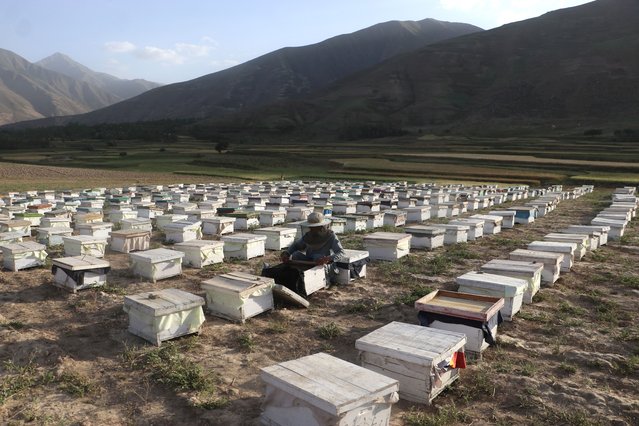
x=430, y=358
x=420, y=362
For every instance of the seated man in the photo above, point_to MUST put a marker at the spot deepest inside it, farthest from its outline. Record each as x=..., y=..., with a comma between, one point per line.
x=319, y=244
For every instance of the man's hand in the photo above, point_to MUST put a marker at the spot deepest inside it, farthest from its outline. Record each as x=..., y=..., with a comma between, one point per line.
x=285, y=257
x=323, y=260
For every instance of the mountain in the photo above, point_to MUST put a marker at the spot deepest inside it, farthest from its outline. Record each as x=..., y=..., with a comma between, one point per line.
x=288, y=73
x=122, y=89
x=577, y=65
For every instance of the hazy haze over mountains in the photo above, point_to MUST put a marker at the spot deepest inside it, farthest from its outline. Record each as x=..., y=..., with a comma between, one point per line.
x=57, y=86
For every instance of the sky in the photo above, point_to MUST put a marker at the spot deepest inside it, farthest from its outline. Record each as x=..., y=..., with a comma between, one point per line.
x=168, y=41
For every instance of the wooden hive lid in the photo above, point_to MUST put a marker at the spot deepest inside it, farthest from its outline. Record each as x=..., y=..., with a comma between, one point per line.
x=582, y=238
x=163, y=302
x=275, y=230
x=328, y=383
x=536, y=254
x=238, y=282
x=425, y=230
x=566, y=247
x=387, y=236
x=489, y=218
x=182, y=225
x=461, y=305
x=85, y=239
x=157, y=255
x=55, y=230
x=130, y=233
x=199, y=244
x=243, y=238
x=517, y=266
x=16, y=222
x=510, y=213
x=23, y=247
x=80, y=263
x=353, y=255
x=416, y=344
x=501, y=285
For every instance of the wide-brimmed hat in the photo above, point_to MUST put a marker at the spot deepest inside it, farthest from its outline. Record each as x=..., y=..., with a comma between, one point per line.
x=315, y=219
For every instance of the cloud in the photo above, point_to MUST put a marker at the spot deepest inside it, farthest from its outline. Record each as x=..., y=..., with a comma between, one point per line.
x=198, y=50
x=119, y=46
x=157, y=54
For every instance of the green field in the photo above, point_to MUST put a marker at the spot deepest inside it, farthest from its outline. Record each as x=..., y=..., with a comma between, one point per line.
x=529, y=160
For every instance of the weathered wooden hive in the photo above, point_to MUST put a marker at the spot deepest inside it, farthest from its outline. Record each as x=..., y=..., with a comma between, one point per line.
x=79, y=272
x=277, y=238
x=351, y=265
x=551, y=261
x=528, y=271
x=485, y=284
x=201, y=253
x=128, y=240
x=238, y=296
x=27, y=254
x=425, y=237
x=156, y=264
x=81, y=245
x=178, y=232
x=387, y=245
x=243, y=246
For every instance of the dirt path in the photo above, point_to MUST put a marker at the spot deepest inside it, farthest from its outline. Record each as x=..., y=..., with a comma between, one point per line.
x=572, y=357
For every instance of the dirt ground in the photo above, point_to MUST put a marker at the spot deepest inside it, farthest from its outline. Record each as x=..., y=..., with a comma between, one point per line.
x=572, y=357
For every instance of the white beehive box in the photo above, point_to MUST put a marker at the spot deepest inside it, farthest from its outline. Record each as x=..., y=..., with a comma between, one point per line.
x=79, y=272
x=30, y=216
x=582, y=241
x=323, y=390
x=355, y=223
x=313, y=276
x=81, y=218
x=81, y=245
x=410, y=354
x=128, y=240
x=395, y=218
x=508, y=217
x=351, y=265
x=201, y=253
x=492, y=224
x=53, y=236
x=139, y=223
x=529, y=271
x=163, y=220
x=178, y=232
x=475, y=227
x=270, y=218
x=425, y=237
x=245, y=220
x=238, y=296
x=156, y=264
x=455, y=234
x=438, y=210
x=199, y=214
x=551, y=261
x=338, y=225
x=277, y=238
x=374, y=219
x=21, y=226
x=55, y=222
x=465, y=313
x=617, y=227
x=165, y=314
x=27, y=254
x=298, y=213
x=367, y=207
x=417, y=214
x=243, y=246
x=510, y=289
x=342, y=207
x=601, y=232
x=10, y=237
x=95, y=229
x=218, y=225
x=387, y=245
x=117, y=216
x=567, y=249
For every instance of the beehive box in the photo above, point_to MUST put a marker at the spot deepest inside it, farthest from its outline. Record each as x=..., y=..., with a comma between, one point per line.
x=128, y=240
x=567, y=249
x=411, y=354
x=243, y=246
x=551, y=261
x=245, y=220
x=320, y=389
x=475, y=227
x=53, y=236
x=355, y=223
x=117, y=216
x=10, y=237
x=201, y=253
x=438, y=210
x=33, y=218
x=455, y=234
x=492, y=224
x=238, y=296
x=313, y=276
x=55, y=222
x=387, y=245
x=582, y=241
x=351, y=265
x=199, y=214
x=93, y=217
x=218, y=225
x=165, y=314
x=79, y=272
x=394, y=218
x=617, y=227
x=524, y=214
x=338, y=224
x=277, y=238
x=178, y=232
x=425, y=237
x=163, y=220
x=485, y=284
x=344, y=207
x=298, y=213
x=364, y=207
x=601, y=232
x=270, y=218
x=27, y=254
x=21, y=226
x=508, y=217
x=95, y=229
x=81, y=245
x=529, y=271
x=475, y=316
x=374, y=219
x=139, y=223
x=417, y=214
x=156, y=264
